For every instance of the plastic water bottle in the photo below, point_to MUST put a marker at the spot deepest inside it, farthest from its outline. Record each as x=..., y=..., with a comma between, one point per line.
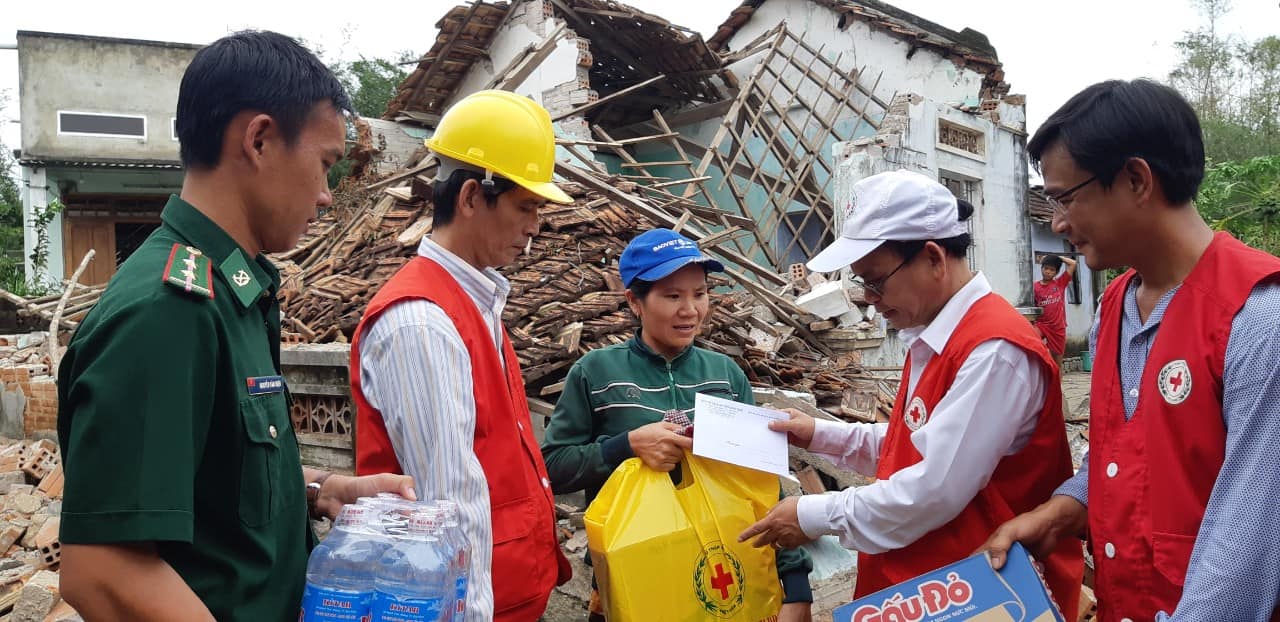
x=450, y=544
x=461, y=553
x=341, y=570
x=415, y=580
x=391, y=513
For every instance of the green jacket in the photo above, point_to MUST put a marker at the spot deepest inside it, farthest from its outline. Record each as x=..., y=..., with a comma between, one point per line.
x=613, y=390
x=174, y=421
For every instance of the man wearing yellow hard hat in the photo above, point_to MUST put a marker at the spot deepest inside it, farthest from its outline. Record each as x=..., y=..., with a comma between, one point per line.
x=436, y=383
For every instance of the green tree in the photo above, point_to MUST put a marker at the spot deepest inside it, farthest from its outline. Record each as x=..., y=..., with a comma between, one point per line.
x=1244, y=198
x=1207, y=71
x=373, y=82
x=10, y=200
x=1261, y=102
x=12, y=275
x=1234, y=87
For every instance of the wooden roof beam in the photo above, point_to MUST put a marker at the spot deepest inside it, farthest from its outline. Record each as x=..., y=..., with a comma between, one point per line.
x=444, y=51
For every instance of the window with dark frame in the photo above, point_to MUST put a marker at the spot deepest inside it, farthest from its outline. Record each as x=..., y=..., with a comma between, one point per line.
x=1073, y=288
x=97, y=124
x=964, y=189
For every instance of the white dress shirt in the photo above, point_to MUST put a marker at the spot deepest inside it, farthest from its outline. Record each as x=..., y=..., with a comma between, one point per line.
x=415, y=369
x=990, y=411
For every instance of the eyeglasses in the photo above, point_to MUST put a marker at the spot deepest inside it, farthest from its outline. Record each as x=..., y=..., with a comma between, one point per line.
x=1061, y=200
x=877, y=286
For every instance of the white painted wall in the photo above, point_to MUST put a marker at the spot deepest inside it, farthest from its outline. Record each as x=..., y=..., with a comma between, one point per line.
x=1001, y=229
x=36, y=195
x=396, y=144
x=884, y=58
x=527, y=27
x=883, y=55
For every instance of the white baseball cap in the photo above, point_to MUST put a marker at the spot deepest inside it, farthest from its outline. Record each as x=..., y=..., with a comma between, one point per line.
x=897, y=205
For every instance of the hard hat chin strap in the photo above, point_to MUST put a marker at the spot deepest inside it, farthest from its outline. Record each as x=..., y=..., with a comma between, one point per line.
x=448, y=166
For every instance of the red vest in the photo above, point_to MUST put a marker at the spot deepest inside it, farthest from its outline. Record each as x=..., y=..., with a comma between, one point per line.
x=1150, y=477
x=527, y=562
x=1020, y=482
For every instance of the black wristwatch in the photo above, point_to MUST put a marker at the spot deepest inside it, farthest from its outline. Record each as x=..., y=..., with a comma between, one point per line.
x=313, y=495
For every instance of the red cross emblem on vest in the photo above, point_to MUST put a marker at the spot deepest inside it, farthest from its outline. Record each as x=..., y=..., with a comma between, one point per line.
x=1174, y=382
x=721, y=580
x=916, y=415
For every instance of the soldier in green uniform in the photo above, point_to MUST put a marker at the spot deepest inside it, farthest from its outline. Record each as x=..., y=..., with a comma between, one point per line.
x=185, y=497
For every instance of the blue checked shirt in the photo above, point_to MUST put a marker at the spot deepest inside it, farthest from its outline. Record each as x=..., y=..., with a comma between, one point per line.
x=1234, y=572
x=414, y=368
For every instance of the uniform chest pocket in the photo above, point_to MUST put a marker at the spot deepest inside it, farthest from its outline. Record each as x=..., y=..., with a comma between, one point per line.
x=261, y=417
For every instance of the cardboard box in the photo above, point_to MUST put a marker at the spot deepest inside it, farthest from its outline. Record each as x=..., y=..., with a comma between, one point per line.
x=966, y=590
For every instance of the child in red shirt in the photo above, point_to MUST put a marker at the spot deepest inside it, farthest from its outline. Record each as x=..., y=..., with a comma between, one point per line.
x=1050, y=295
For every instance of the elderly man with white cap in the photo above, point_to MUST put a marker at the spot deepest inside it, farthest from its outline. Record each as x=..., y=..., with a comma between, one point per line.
x=976, y=435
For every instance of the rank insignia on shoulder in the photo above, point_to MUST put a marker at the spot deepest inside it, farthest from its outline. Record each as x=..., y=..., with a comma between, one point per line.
x=189, y=270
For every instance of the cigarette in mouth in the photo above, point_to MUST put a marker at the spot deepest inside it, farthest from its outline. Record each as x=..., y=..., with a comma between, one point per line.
x=528, y=246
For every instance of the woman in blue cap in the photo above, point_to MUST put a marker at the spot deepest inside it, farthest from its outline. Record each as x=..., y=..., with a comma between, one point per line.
x=635, y=399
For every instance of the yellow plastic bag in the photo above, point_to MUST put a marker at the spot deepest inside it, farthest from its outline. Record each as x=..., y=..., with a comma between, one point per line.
x=671, y=553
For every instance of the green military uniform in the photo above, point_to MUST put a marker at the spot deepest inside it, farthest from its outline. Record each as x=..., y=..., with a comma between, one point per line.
x=174, y=421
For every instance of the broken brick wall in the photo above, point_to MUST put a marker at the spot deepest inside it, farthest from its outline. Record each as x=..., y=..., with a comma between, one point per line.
x=573, y=94
x=560, y=82
x=30, y=400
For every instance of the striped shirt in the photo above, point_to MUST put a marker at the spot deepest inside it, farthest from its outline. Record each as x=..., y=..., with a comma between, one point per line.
x=416, y=371
x=1234, y=573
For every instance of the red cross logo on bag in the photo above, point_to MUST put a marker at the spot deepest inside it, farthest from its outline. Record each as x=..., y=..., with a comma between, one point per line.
x=1174, y=382
x=718, y=581
x=917, y=415
x=721, y=581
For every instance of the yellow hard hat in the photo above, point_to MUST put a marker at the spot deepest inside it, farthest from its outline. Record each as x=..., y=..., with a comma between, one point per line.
x=504, y=133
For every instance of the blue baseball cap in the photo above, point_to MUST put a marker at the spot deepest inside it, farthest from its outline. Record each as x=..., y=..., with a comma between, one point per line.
x=657, y=253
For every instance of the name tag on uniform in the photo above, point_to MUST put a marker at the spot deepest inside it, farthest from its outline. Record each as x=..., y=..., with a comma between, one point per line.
x=261, y=385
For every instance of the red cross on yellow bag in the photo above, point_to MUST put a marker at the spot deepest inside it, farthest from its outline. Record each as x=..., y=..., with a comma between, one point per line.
x=669, y=552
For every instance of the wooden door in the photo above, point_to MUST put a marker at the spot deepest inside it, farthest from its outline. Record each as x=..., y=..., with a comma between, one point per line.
x=80, y=234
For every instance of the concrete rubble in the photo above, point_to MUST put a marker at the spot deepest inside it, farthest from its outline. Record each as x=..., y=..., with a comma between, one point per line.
x=31, y=485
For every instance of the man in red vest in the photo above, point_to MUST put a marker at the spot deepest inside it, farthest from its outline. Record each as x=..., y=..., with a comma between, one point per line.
x=436, y=383
x=1177, y=496
x=976, y=435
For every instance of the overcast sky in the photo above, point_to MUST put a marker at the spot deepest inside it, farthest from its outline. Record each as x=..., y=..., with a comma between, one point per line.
x=1049, y=52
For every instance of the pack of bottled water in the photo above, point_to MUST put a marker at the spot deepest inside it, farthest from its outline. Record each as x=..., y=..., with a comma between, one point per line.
x=388, y=559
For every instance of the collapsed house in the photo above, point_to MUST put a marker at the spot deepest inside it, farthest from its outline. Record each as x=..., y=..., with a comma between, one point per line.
x=746, y=143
